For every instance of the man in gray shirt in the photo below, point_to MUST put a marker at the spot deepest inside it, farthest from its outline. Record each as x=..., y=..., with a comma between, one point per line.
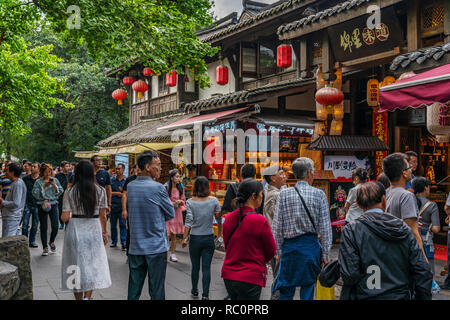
x=12, y=206
x=400, y=202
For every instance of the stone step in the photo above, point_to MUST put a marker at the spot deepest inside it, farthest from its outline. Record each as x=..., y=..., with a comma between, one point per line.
x=9, y=280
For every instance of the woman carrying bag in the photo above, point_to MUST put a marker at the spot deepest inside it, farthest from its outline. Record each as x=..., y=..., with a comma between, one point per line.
x=46, y=191
x=199, y=233
x=249, y=245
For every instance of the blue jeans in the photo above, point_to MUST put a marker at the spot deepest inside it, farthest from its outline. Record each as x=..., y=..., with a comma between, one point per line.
x=122, y=227
x=306, y=293
x=30, y=212
x=155, y=266
x=201, y=248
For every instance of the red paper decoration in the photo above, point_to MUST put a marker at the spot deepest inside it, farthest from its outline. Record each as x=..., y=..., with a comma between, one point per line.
x=140, y=87
x=284, y=56
x=147, y=72
x=171, y=78
x=128, y=81
x=222, y=75
x=119, y=94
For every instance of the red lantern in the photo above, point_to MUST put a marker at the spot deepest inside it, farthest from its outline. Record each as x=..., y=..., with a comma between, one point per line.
x=222, y=75
x=284, y=56
x=140, y=87
x=329, y=96
x=128, y=81
x=119, y=94
x=171, y=78
x=148, y=72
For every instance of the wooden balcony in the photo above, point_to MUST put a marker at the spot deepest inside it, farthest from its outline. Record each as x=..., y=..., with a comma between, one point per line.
x=164, y=104
x=273, y=79
x=137, y=111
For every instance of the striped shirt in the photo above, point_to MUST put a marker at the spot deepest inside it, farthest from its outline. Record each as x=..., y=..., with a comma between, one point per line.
x=291, y=220
x=149, y=207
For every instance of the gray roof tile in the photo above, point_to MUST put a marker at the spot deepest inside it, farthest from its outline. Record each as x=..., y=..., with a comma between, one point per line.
x=420, y=56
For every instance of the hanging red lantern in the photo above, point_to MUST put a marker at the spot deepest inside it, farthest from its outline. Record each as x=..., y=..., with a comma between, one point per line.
x=128, y=81
x=222, y=75
x=140, y=87
x=329, y=96
x=147, y=72
x=171, y=78
x=119, y=94
x=284, y=56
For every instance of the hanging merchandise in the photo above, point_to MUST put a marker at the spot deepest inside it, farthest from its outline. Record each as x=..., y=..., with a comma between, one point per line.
x=338, y=111
x=320, y=82
x=321, y=112
x=336, y=128
x=373, y=93
x=140, y=87
x=319, y=130
x=119, y=94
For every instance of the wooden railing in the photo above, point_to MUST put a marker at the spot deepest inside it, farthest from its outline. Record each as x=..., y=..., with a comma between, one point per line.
x=163, y=104
x=273, y=79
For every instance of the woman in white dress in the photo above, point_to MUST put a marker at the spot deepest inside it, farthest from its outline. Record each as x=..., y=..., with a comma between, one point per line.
x=84, y=262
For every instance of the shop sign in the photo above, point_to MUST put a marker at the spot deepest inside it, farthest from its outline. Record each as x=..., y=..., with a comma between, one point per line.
x=353, y=39
x=221, y=127
x=380, y=130
x=438, y=118
x=417, y=116
x=373, y=93
x=342, y=166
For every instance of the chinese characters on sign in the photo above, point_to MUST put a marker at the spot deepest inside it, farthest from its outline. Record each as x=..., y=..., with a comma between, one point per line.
x=342, y=166
x=380, y=130
x=350, y=41
x=444, y=115
x=373, y=93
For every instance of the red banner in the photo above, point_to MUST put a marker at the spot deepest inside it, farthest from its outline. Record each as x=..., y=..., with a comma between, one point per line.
x=380, y=130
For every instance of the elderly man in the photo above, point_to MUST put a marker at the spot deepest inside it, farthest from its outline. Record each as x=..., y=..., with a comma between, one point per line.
x=380, y=258
x=300, y=215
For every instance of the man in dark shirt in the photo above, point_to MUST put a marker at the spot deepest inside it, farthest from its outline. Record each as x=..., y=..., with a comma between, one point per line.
x=103, y=178
x=117, y=184
x=63, y=178
x=31, y=207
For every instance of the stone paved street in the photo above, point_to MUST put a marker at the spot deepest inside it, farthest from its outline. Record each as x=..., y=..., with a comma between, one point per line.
x=46, y=273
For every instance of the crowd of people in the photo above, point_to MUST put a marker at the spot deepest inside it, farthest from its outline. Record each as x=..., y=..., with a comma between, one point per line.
x=389, y=227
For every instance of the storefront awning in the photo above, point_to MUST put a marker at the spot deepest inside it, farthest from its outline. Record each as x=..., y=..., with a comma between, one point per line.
x=348, y=143
x=86, y=154
x=204, y=119
x=284, y=121
x=423, y=89
x=139, y=148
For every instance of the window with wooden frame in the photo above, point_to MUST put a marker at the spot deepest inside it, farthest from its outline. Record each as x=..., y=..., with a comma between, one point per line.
x=163, y=89
x=249, y=60
x=432, y=14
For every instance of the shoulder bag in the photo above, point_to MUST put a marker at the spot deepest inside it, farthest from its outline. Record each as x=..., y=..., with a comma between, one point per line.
x=307, y=210
x=235, y=228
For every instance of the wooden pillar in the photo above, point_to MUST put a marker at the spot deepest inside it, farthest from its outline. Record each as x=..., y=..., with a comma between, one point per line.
x=413, y=21
x=282, y=105
x=353, y=92
x=327, y=59
x=305, y=59
x=447, y=21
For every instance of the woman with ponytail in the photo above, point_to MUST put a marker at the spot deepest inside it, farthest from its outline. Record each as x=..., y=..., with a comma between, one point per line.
x=85, y=205
x=352, y=211
x=249, y=245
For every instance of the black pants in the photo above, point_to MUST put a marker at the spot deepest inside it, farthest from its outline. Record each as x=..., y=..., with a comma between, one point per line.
x=155, y=266
x=201, y=248
x=43, y=220
x=238, y=290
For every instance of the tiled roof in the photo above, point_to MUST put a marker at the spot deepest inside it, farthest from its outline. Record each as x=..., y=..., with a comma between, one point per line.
x=316, y=18
x=270, y=11
x=347, y=143
x=242, y=96
x=420, y=56
x=142, y=132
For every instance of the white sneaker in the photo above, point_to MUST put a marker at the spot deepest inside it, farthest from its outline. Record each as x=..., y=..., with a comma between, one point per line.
x=173, y=258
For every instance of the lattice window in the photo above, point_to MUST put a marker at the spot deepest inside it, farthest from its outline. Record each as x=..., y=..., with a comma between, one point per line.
x=433, y=17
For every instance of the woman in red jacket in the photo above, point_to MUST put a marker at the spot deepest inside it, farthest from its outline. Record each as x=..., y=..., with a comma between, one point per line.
x=249, y=245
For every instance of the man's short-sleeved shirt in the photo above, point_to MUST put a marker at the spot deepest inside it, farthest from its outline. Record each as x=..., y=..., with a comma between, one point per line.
x=103, y=178
x=6, y=185
x=409, y=183
x=401, y=203
x=117, y=186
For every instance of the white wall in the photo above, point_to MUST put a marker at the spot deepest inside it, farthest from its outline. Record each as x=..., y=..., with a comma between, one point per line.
x=154, y=87
x=206, y=93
